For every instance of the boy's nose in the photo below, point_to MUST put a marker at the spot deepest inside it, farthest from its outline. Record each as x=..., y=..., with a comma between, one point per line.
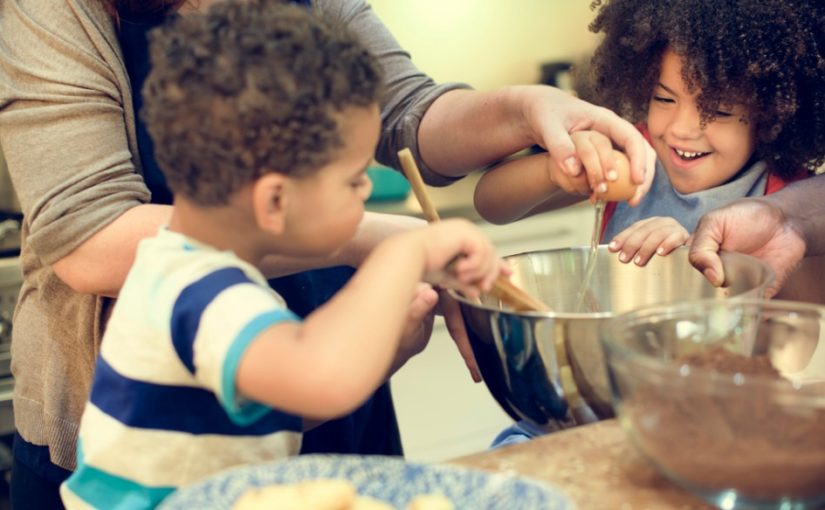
x=366, y=189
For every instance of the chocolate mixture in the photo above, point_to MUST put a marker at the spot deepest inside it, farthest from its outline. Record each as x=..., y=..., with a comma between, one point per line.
x=718, y=437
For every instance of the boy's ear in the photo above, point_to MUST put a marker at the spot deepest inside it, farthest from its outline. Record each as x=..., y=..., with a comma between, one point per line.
x=269, y=202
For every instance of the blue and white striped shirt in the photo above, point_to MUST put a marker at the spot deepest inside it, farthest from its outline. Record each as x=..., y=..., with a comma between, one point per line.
x=163, y=410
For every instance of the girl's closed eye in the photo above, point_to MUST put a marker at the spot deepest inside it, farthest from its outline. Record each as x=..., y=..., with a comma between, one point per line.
x=662, y=99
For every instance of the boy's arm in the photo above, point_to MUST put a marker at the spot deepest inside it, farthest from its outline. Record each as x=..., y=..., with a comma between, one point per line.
x=374, y=228
x=328, y=364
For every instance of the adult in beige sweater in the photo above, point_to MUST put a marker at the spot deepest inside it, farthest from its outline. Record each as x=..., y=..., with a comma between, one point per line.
x=68, y=131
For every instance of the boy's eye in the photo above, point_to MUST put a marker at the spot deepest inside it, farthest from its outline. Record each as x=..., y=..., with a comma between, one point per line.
x=723, y=113
x=359, y=182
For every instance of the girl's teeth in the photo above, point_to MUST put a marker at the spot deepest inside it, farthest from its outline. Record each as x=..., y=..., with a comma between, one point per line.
x=688, y=155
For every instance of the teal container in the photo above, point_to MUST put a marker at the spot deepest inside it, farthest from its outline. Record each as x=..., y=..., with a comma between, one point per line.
x=387, y=184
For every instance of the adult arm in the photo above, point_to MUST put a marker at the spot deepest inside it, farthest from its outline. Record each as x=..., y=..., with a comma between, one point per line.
x=68, y=140
x=452, y=130
x=780, y=228
x=67, y=132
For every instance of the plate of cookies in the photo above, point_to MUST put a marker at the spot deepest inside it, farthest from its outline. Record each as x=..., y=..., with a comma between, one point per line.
x=350, y=482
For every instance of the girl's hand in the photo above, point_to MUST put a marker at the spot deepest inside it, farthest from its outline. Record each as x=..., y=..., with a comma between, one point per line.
x=595, y=151
x=659, y=235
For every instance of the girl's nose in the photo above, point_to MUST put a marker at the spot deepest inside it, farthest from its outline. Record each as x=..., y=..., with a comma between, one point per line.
x=686, y=122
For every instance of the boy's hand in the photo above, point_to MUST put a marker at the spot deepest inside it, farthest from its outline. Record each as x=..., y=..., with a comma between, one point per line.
x=659, y=235
x=419, y=326
x=470, y=255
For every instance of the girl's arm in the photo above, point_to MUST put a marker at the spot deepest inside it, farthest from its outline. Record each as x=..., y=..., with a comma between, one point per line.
x=521, y=187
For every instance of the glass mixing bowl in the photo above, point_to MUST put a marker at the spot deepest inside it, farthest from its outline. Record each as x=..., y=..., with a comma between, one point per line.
x=726, y=398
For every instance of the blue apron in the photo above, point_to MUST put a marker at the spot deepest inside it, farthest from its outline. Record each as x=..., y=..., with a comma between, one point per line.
x=371, y=429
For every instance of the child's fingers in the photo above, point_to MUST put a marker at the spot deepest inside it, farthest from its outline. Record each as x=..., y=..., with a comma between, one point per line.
x=673, y=241
x=485, y=274
x=630, y=241
x=478, y=263
x=577, y=185
x=592, y=162
x=649, y=246
x=646, y=176
x=604, y=147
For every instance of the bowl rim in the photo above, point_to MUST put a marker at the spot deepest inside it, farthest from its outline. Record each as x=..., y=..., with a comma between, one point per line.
x=771, y=276
x=674, y=371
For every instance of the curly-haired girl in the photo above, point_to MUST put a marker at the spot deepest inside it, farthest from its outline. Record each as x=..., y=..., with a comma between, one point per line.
x=730, y=94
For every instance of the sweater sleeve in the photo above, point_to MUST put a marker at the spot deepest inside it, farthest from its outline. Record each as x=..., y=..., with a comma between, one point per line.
x=409, y=92
x=66, y=135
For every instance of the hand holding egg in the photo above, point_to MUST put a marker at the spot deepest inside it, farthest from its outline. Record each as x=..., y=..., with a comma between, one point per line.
x=622, y=188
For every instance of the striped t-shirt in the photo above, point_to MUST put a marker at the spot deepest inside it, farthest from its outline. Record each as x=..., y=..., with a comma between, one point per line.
x=163, y=410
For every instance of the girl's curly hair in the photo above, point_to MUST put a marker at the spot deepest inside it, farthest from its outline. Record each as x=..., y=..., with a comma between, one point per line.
x=251, y=87
x=768, y=55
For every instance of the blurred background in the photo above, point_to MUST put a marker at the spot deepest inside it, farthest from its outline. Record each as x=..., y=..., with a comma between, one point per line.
x=489, y=43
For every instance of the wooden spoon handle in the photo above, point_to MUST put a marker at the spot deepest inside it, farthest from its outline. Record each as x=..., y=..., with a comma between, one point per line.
x=503, y=288
x=515, y=297
x=417, y=184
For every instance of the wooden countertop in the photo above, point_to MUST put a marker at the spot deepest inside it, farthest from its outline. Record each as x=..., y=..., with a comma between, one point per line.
x=595, y=465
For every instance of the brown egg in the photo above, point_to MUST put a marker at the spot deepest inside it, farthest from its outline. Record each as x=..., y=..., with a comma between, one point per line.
x=622, y=188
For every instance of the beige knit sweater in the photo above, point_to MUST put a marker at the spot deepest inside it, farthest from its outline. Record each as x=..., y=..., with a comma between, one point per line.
x=67, y=130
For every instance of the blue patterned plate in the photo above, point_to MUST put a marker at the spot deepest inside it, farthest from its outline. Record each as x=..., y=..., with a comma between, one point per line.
x=387, y=479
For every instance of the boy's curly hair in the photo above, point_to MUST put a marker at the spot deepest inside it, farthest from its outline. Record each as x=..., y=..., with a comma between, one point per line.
x=768, y=55
x=248, y=88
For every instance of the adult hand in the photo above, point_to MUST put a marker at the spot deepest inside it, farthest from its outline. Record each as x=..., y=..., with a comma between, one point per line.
x=754, y=226
x=552, y=115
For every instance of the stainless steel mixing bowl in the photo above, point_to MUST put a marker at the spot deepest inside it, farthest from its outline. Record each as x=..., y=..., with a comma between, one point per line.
x=534, y=364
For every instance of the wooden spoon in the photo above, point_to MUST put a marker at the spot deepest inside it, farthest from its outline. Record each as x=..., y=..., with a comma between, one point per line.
x=503, y=288
x=516, y=298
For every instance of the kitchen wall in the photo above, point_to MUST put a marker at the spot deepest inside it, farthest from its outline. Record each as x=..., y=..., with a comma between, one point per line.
x=489, y=43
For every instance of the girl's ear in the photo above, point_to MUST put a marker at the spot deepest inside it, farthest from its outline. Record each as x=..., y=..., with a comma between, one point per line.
x=269, y=202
